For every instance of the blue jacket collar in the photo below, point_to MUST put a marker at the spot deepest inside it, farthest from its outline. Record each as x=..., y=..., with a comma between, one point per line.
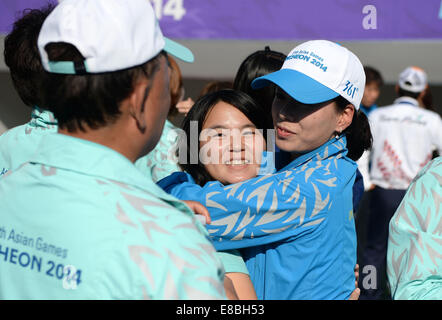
x=333, y=147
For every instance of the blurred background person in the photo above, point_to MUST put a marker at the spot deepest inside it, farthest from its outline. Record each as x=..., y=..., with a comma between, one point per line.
x=184, y=106
x=258, y=64
x=214, y=86
x=373, y=85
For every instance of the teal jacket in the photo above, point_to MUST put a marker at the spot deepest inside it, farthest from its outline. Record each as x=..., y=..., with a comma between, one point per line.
x=414, y=258
x=79, y=221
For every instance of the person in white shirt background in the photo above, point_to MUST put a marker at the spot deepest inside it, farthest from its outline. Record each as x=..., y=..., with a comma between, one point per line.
x=405, y=135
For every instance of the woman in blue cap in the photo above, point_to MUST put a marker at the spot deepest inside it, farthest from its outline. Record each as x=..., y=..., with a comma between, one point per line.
x=295, y=227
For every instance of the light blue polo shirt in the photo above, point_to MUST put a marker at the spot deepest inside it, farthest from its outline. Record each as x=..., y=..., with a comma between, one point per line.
x=79, y=221
x=19, y=143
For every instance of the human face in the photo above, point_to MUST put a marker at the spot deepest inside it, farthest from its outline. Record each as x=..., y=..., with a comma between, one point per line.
x=156, y=106
x=300, y=127
x=230, y=145
x=371, y=94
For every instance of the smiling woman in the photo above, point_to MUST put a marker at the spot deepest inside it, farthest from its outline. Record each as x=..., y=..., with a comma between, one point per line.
x=295, y=227
x=230, y=147
x=231, y=138
x=233, y=148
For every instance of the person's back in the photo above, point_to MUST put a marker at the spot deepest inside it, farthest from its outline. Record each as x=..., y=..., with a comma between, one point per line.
x=78, y=219
x=22, y=58
x=404, y=138
x=414, y=259
x=123, y=233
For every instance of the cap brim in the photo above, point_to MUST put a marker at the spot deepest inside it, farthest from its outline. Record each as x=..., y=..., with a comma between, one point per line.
x=299, y=86
x=178, y=50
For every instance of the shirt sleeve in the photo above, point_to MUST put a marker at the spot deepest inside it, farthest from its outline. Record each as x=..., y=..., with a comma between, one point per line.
x=232, y=261
x=182, y=186
x=414, y=257
x=268, y=209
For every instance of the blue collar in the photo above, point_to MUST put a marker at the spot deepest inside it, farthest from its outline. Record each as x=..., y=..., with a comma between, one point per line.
x=331, y=148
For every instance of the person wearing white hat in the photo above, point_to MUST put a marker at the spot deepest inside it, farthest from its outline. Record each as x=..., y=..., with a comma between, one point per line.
x=404, y=138
x=295, y=228
x=79, y=221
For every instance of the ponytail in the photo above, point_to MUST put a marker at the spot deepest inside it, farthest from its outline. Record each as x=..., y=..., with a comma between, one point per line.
x=358, y=134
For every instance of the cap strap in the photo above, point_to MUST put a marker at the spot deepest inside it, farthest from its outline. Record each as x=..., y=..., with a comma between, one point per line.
x=68, y=67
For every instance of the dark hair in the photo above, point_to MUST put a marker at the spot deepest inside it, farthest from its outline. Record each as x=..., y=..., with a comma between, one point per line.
x=92, y=99
x=199, y=112
x=258, y=64
x=373, y=75
x=213, y=86
x=427, y=99
x=358, y=134
x=22, y=56
x=406, y=93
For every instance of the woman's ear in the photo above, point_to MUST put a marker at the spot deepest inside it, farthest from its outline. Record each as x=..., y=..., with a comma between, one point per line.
x=345, y=118
x=136, y=104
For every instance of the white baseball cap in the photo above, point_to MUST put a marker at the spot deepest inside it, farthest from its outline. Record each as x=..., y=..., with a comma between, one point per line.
x=317, y=71
x=110, y=34
x=413, y=79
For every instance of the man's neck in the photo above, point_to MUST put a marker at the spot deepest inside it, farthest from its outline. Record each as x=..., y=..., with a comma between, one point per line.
x=108, y=136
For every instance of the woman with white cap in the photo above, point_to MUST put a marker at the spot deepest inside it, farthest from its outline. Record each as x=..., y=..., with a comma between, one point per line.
x=295, y=227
